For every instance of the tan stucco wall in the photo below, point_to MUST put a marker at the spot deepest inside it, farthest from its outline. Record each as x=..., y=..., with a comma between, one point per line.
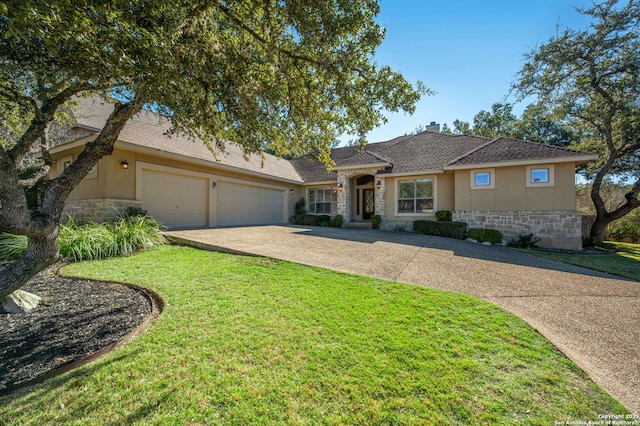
x=111, y=182
x=444, y=196
x=512, y=193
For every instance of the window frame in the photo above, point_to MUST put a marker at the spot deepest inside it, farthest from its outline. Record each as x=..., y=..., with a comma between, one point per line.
x=333, y=200
x=492, y=178
x=550, y=174
x=415, y=198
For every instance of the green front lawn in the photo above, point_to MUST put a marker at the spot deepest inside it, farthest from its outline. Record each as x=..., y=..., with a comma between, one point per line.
x=248, y=340
x=625, y=262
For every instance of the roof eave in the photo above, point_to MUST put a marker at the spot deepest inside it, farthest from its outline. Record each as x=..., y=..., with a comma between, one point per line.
x=412, y=173
x=578, y=159
x=364, y=166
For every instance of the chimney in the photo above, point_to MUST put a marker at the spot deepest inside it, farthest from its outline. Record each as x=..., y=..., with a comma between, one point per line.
x=433, y=127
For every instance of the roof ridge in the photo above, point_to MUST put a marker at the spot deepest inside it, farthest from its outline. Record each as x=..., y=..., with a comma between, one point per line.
x=560, y=148
x=473, y=150
x=380, y=157
x=373, y=154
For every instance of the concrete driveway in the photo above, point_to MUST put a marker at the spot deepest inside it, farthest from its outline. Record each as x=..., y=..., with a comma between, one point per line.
x=593, y=318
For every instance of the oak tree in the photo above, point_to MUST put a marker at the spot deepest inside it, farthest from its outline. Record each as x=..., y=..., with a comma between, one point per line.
x=591, y=78
x=271, y=74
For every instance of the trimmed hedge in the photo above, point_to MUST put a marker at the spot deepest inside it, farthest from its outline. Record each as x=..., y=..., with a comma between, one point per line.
x=444, y=216
x=310, y=219
x=481, y=235
x=440, y=229
x=376, y=220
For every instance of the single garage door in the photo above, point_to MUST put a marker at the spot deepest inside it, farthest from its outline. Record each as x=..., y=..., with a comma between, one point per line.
x=175, y=200
x=249, y=205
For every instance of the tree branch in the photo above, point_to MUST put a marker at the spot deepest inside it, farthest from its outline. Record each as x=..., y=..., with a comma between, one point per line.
x=44, y=116
x=59, y=188
x=227, y=11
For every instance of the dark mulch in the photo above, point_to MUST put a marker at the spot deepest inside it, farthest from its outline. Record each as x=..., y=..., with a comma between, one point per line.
x=75, y=319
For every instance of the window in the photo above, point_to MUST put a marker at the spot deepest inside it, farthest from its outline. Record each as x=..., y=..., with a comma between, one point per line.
x=483, y=179
x=323, y=200
x=415, y=196
x=540, y=175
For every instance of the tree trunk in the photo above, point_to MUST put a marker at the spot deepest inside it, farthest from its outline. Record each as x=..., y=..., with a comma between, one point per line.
x=599, y=228
x=42, y=251
x=604, y=217
x=42, y=228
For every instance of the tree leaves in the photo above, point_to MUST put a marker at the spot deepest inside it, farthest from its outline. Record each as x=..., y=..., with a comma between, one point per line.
x=591, y=78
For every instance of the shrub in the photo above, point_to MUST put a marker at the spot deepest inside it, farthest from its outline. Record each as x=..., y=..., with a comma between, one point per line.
x=376, y=220
x=489, y=235
x=527, y=241
x=337, y=221
x=589, y=242
x=303, y=219
x=311, y=219
x=134, y=211
x=301, y=206
x=444, y=216
x=440, y=229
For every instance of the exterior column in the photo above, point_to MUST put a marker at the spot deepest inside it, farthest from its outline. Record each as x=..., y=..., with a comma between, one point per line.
x=380, y=206
x=344, y=197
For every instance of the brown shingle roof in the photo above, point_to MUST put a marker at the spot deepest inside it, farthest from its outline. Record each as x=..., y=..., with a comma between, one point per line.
x=425, y=152
x=432, y=151
x=362, y=159
x=413, y=153
x=150, y=130
x=510, y=150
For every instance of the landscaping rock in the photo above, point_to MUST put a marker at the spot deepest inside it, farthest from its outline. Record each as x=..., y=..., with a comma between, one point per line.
x=19, y=302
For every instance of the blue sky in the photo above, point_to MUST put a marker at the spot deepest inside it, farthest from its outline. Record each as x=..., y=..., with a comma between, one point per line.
x=468, y=51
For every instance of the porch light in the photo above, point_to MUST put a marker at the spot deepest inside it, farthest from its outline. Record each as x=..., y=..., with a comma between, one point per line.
x=292, y=191
x=124, y=165
x=378, y=185
x=340, y=188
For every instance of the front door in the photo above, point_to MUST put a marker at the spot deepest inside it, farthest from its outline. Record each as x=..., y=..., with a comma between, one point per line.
x=368, y=204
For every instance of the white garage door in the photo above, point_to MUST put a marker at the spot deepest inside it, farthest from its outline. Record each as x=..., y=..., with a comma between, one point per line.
x=249, y=205
x=177, y=201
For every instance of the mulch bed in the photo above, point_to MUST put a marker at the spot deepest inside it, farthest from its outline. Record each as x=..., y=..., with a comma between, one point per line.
x=75, y=319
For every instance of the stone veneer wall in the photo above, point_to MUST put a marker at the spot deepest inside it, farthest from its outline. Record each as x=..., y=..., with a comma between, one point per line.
x=96, y=210
x=560, y=229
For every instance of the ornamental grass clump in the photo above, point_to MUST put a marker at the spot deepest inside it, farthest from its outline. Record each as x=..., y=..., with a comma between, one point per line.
x=11, y=246
x=120, y=238
x=95, y=241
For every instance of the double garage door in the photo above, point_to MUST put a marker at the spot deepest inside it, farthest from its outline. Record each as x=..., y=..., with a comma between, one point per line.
x=179, y=199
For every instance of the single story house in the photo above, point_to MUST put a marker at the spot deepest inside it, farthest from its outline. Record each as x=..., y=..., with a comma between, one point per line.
x=515, y=186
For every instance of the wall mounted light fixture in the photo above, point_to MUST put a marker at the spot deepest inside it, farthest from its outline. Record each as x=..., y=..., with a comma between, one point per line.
x=340, y=187
x=378, y=184
x=124, y=165
x=292, y=191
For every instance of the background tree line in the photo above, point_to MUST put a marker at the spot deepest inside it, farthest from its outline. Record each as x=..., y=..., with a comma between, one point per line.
x=585, y=84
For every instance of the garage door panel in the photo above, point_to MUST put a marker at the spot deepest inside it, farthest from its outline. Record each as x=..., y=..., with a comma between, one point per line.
x=177, y=201
x=249, y=205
